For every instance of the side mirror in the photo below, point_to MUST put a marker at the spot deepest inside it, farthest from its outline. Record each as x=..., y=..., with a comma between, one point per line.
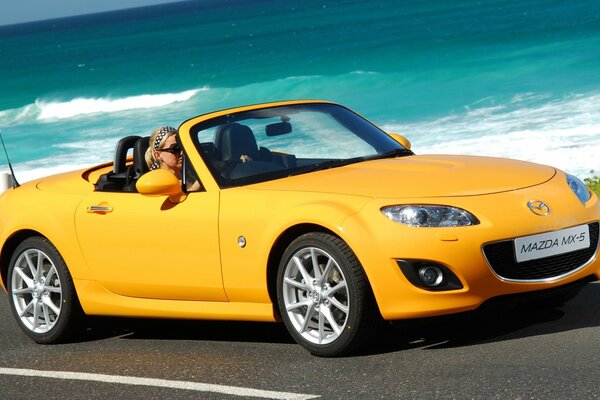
x=400, y=139
x=160, y=182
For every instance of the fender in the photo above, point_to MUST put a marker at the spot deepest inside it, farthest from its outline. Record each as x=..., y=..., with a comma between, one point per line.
x=57, y=226
x=244, y=266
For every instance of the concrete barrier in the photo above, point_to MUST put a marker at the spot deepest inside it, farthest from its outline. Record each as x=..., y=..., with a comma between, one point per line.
x=6, y=181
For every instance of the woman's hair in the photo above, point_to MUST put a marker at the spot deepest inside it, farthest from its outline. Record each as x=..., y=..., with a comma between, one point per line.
x=157, y=140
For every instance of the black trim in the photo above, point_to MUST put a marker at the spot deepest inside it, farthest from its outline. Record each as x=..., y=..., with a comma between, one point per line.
x=501, y=258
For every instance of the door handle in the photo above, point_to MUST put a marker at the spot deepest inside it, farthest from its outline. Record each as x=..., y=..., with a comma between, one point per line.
x=99, y=209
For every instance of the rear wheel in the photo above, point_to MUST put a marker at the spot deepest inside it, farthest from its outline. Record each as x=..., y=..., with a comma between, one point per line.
x=324, y=297
x=41, y=292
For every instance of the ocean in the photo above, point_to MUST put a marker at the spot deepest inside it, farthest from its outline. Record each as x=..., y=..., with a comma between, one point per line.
x=508, y=78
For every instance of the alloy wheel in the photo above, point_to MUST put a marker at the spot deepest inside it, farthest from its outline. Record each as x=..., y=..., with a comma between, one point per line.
x=315, y=295
x=36, y=291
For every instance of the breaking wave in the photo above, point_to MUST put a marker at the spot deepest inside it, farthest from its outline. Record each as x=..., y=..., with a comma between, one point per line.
x=47, y=110
x=563, y=133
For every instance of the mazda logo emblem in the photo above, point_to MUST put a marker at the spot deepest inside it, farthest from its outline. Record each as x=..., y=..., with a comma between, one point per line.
x=538, y=207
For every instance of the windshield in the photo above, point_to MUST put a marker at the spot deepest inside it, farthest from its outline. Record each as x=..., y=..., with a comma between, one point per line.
x=271, y=143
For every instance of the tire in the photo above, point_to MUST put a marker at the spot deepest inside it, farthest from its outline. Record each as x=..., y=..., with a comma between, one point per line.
x=41, y=292
x=324, y=297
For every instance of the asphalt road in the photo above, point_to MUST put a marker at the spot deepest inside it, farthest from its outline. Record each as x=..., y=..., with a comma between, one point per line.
x=512, y=353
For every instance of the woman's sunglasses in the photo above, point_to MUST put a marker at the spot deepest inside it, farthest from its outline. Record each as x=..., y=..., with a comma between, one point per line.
x=174, y=149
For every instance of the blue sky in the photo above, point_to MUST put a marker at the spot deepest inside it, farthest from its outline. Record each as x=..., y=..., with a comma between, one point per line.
x=37, y=10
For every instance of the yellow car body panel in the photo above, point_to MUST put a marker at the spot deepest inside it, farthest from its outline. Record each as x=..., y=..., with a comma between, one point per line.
x=130, y=247
x=50, y=216
x=383, y=178
x=260, y=217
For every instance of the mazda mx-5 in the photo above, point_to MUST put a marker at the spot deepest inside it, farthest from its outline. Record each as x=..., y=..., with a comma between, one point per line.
x=305, y=213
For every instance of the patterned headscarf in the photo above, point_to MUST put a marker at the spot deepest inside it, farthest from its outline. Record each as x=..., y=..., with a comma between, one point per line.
x=164, y=131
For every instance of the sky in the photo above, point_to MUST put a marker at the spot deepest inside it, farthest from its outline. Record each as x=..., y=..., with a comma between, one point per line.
x=16, y=12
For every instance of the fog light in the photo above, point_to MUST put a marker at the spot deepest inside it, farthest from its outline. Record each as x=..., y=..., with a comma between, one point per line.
x=431, y=276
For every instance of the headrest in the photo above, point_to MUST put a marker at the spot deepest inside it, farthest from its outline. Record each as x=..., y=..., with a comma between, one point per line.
x=234, y=140
x=139, y=155
x=121, y=150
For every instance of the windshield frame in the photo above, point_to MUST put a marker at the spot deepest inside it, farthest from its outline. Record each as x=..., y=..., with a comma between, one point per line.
x=383, y=144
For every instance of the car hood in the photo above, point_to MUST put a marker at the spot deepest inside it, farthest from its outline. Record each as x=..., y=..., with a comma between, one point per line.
x=420, y=176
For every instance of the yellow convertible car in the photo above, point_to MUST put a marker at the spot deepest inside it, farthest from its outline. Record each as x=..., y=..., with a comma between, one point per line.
x=304, y=213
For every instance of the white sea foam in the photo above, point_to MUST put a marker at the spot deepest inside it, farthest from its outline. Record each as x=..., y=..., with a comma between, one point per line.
x=30, y=170
x=18, y=116
x=82, y=106
x=47, y=111
x=81, y=154
x=563, y=133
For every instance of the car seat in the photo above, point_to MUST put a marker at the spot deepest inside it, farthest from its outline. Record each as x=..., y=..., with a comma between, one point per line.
x=232, y=141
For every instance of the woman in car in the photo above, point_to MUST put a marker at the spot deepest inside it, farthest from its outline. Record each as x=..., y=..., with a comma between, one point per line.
x=164, y=152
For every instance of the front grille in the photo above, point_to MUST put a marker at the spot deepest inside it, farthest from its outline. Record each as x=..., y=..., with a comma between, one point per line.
x=501, y=257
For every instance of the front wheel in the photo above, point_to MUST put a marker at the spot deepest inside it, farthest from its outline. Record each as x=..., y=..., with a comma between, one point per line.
x=41, y=292
x=324, y=297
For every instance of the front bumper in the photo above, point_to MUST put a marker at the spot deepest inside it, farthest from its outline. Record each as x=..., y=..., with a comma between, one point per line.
x=503, y=217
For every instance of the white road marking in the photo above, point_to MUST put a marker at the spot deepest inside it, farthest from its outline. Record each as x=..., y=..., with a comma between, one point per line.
x=163, y=383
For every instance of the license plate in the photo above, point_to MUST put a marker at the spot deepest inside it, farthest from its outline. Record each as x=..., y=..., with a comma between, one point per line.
x=552, y=243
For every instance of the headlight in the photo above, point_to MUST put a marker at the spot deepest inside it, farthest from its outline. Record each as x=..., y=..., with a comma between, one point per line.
x=579, y=188
x=429, y=215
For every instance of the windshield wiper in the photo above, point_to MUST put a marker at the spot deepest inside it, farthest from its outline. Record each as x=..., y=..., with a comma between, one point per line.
x=325, y=165
x=392, y=154
x=338, y=162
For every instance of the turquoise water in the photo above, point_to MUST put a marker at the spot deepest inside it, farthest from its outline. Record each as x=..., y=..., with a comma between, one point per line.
x=508, y=78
